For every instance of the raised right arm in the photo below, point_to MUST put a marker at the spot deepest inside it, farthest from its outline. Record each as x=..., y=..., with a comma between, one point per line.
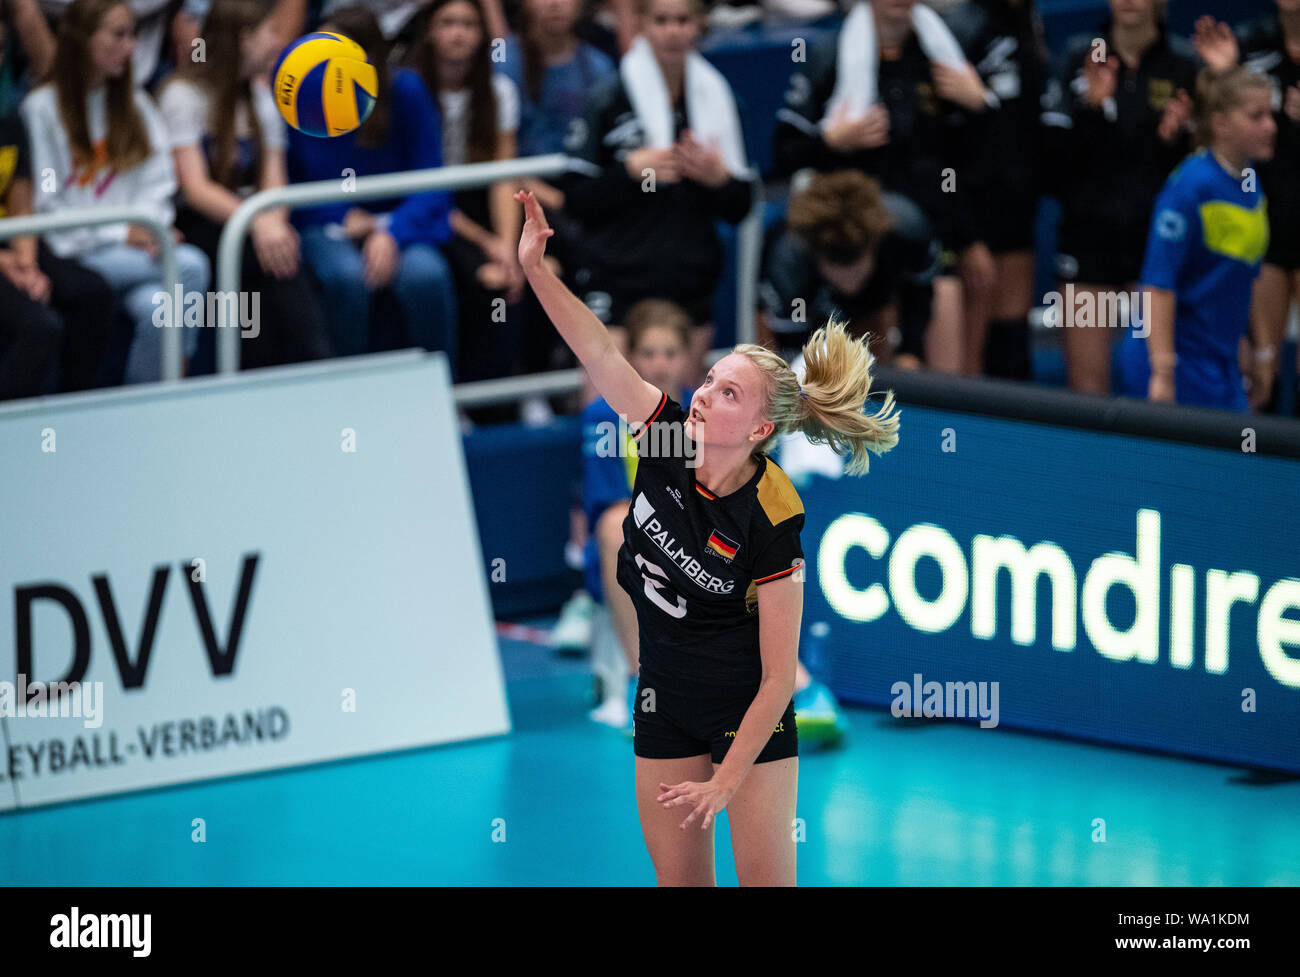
x=611, y=374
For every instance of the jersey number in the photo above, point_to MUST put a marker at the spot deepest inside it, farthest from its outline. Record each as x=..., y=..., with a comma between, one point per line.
x=654, y=589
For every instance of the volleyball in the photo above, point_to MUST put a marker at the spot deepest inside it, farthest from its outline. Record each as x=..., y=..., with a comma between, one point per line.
x=324, y=84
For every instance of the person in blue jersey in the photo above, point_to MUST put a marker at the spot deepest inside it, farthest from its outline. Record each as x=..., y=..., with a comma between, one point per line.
x=712, y=561
x=1270, y=45
x=358, y=250
x=1209, y=234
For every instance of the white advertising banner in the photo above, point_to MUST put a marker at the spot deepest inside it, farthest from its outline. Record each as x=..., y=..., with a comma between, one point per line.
x=236, y=574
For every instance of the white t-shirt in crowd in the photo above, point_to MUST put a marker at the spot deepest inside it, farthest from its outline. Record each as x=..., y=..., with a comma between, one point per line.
x=187, y=107
x=455, y=117
x=150, y=184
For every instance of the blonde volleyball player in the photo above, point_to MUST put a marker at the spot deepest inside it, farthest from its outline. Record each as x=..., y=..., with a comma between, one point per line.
x=712, y=561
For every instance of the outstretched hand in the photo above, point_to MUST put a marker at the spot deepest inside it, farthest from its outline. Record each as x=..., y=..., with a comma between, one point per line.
x=532, y=241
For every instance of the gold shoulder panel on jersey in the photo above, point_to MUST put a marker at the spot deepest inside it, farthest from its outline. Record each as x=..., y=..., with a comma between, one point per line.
x=777, y=495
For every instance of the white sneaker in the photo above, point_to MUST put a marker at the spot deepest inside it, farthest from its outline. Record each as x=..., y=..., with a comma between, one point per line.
x=611, y=712
x=572, y=631
x=536, y=412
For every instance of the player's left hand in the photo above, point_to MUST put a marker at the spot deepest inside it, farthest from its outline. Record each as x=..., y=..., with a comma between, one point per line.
x=707, y=799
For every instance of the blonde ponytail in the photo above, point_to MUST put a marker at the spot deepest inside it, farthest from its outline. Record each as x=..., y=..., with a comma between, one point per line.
x=829, y=407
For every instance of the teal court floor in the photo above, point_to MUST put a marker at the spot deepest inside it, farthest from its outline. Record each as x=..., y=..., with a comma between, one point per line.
x=899, y=803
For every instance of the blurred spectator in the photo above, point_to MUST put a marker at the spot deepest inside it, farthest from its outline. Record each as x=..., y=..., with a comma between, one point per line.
x=610, y=25
x=494, y=16
x=391, y=15
x=850, y=250
x=598, y=26
x=151, y=20
x=894, y=96
x=1208, y=236
x=228, y=140
x=1116, y=118
x=289, y=19
x=1003, y=39
x=665, y=161
x=31, y=35
x=480, y=119
x=97, y=140
x=357, y=251
x=46, y=303
x=1271, y=45
x=30, y=331
x=553, y=71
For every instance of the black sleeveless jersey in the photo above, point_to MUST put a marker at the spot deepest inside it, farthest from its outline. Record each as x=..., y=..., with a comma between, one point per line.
x=692, y=562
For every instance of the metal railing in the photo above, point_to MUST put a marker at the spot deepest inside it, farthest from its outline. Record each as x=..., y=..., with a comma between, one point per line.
x=229, y=253
x=12, y=227
x=469, y=176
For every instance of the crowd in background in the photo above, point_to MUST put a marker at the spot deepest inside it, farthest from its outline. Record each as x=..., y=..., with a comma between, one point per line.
x=915, y=146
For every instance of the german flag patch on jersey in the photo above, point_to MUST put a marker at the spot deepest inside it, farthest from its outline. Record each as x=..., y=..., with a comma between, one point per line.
x=724, y=547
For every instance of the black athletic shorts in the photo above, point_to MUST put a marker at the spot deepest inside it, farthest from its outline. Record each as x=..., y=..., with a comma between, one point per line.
x=681, y=726
x=1094, y=257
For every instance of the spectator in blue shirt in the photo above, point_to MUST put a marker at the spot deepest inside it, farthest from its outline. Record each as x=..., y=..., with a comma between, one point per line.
x=356, y=250
x=1208, y=236
x=554, y=71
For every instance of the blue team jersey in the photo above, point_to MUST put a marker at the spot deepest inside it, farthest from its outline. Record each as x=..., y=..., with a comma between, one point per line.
x=608, y=473
x=1208, y=236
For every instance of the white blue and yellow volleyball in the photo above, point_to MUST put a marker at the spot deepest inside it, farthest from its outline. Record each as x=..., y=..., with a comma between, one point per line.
x=324, y=84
